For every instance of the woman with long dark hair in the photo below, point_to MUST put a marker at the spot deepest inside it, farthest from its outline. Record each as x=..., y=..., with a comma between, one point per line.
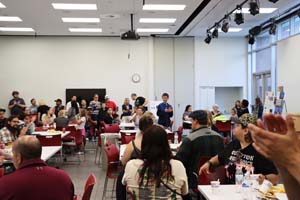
x=155, y=174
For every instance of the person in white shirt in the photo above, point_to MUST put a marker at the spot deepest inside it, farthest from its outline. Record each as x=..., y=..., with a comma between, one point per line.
x=69, y=104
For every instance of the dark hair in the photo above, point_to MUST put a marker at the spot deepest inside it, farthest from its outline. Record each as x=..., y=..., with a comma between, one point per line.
x=165, y=95
x=145, y=122
x=74, y=105
x=29, y=151
x=115, y=116
x=32, y=100
x=2, y=110
x=14, y=93
x=133, y=94
x=258, y=101
x=245, y=103
x=23, y=116
x=200, y=116
x=12, y=117
x=156, y=154
x=187, y=108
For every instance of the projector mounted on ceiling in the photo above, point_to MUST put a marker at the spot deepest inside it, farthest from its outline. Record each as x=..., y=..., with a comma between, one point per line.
x=131, y=34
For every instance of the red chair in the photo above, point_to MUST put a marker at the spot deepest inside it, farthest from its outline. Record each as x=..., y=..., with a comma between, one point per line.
x=50, y=140
x=127, y=137
x=75, y=141
x=171, y=137
x=40, y=129
x=179, y=133
x=1, y=172
x=88, y=188
x=224, y=127
x=113, y=166
x=111, y=128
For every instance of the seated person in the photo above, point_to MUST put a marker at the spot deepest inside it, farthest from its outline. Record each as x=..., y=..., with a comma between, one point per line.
x=108, y=117
x=42, y=109
x=187, y=112
x=61, y=121
x=202, y=141
x=48, y=119
x=133, y=149
x=241, y=152
x=11, y=131
x=155, y=175
x=26, y=124
x=126, y=108
x=215, y=112
x=116, y=119
x=137, y=116
x=3, y=119
x=34, y=177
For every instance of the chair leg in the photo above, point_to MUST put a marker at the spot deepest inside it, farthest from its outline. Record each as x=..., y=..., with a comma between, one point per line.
x=104, y=188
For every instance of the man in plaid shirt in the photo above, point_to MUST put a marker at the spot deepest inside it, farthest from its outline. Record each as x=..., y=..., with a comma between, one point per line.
x=10, y=132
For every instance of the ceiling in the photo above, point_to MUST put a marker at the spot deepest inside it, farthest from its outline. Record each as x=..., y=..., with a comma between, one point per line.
x=115, y=16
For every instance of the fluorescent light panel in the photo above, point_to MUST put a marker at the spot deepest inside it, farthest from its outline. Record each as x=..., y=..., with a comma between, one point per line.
x=73, y=6
x=232, y=30
x=86, y=30
x=157, y=20
x=16, y=29
x=261, y=10
x=10, y=19
x=163, y=7
x=152, y=30
x=2, y=5
x=80, y=20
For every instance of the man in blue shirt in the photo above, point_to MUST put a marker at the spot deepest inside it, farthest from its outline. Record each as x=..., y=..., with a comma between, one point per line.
x=164, y=111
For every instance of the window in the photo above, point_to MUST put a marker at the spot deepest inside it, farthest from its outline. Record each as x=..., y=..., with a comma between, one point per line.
x=263, y=60
x=297, y=25
x=263, y=40
x=284, y=30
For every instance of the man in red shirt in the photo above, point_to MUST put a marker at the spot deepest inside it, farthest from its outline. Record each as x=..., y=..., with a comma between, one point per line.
x=33, y=179
x=111, y=104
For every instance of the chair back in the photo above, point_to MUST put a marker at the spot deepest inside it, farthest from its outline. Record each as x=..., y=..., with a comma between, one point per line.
x=1, y=172
x=111, y=128
x=223, y=126
x=88, y=188
x=171, y=137
x=179, y=133
x=112, y=153
x=50, y=140
x=127, y=137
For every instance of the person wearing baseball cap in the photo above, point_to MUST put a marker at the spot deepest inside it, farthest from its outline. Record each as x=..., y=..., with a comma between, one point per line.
x=58, y=107
x=240, y=152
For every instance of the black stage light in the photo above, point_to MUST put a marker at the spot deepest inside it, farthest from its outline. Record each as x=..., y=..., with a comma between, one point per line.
x=215, y=33
x=225, y=24
x=273, y=28
x=208, y=38
x=251, y=39
x=254, y=7
x=239, y=16
x=273, y=1
x=255, y=30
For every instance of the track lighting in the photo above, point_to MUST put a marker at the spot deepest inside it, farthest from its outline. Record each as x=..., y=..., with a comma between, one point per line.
x=215, y=33
x=255, y=30
x=251, y=39
x=239, y=17
x=225, y=24
x=208, y=38
x=273, y=1
x=273, y=28
x=254, y=7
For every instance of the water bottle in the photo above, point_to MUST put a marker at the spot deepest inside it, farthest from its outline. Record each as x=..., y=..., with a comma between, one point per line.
x=175, y=138
x=239, y=177
x=246, y=187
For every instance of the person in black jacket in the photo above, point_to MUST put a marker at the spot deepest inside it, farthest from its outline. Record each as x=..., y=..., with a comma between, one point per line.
x=164, y=111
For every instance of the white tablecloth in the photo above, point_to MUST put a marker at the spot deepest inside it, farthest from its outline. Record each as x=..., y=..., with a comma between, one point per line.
x=45, y=133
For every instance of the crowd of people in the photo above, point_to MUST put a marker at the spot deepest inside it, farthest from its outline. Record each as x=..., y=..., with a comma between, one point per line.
x=266, y=148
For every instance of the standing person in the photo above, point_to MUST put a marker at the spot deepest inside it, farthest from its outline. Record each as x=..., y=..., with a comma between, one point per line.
x=155, y=175
x=188, y=110
x=258, y=108
x=73, y=111
x=95, y=105
x=139, y=101
x=69, y=104
x=58, y=107
x=34, y=177
x=244, y=108
x=137, y=116
x=16, y=104
x=42, y=109
x=215, y=112
x=33, y=108
x=81, y=121
x=83, y=104
x=237, y=106
x=111, y=104
x=3, y=119
x=91, y=124
x=164, y=111
x=126, y=108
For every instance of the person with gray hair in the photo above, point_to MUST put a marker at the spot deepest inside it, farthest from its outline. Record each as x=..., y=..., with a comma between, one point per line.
x=33, y=179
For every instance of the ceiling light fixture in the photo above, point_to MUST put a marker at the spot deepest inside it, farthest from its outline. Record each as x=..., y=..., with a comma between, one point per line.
x=2, y=5
x=207, y=40
x=72, y=6
x=239, y=16
x=87, y=30
x=152, y=30
x=225, y=24
x=232, y=30
x=163, y=7
x=251, y=39
x=215, y=33
x=255, y=30
x=80, y=20
x=273, y=1
x=157, y=20
x=273, y=27
x=10, y=19
x=16, y=29
x=261, y=10
x=254, y=7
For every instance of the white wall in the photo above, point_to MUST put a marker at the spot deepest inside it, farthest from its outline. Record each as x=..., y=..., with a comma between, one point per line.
x=288, y=71
x=44, y=67
x=226, y=96
x=222, y=63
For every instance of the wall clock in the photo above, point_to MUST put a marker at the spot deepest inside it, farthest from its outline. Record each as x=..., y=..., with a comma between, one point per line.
x=136, y=78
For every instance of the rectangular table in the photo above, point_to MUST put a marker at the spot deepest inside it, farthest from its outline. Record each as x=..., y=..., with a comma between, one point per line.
x=124, y=125
x=228, y=192
x=48, y=152
x=45, y=133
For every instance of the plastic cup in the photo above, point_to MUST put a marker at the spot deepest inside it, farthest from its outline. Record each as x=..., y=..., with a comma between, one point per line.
x=215, y=185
